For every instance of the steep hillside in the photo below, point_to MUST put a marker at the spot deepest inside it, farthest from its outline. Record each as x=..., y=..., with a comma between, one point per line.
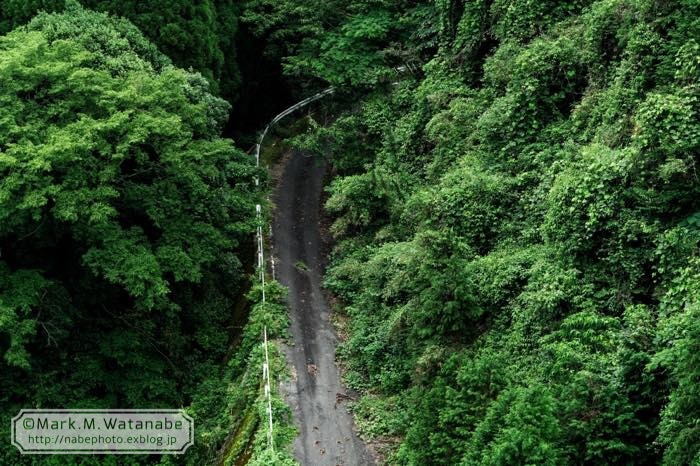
x=517, y=224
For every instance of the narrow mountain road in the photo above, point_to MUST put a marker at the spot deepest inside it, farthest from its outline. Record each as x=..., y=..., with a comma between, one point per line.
x=315, y=392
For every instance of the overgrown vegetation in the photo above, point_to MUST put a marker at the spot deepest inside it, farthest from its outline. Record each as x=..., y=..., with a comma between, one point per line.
x=249, y=440
x=123, y=217
x=517, y=223
x=198, y=35
x=515, y=204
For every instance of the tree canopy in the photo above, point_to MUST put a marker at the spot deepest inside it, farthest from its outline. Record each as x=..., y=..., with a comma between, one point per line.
x=197, y=35
x=123, y=216
x=513, y=199
x=516, y=223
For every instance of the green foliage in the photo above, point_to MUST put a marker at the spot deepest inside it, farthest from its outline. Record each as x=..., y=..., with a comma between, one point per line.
x=21, y=293
x=518, y=232
x=520, y=427
x=246, y=399
x=351, y=44
x=198, y=35
x=122, y=214
x=679, y=336
x=515, y=204
x=354, y=200
x=17, y=12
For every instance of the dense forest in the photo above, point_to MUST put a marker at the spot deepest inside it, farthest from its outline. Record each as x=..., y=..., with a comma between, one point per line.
x=517, y=220
x=125, y=231
x=514, y=206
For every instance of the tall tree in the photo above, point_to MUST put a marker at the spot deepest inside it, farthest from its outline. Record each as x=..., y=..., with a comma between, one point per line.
x=122, y=214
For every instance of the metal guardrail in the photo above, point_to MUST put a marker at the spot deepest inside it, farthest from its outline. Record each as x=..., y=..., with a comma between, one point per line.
x=292, y=109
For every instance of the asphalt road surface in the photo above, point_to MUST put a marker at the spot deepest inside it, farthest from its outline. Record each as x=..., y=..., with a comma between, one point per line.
x=315, y=393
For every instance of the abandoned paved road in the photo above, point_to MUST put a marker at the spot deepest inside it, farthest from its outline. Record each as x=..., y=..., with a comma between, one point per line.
x=315, y=392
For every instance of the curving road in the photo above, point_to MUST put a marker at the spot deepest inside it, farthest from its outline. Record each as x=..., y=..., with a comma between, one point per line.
x=315, y=393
